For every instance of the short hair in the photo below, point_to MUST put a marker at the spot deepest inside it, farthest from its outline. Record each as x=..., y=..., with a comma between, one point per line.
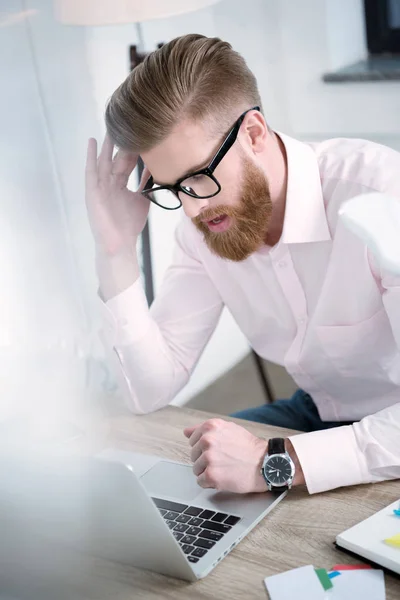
x=194, y=77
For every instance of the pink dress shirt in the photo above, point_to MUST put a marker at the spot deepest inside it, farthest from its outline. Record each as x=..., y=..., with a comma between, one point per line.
x=317, y=303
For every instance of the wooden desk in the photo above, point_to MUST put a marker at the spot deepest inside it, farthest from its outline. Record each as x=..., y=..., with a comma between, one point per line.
x=300, y=531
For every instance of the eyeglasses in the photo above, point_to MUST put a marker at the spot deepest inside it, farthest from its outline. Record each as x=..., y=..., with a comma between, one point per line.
x=200, y=184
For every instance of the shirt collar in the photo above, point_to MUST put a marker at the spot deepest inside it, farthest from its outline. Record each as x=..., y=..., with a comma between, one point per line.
x=305, y=216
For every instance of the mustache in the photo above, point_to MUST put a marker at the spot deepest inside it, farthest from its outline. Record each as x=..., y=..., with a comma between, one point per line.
x=209, y=214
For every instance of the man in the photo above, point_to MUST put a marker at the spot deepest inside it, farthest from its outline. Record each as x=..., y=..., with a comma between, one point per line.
x=260, y=234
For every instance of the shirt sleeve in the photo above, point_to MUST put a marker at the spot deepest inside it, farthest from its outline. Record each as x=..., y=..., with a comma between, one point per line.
x=155, y=351
x=367, y=451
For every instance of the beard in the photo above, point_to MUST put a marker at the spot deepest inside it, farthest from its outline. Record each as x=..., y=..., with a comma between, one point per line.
x=249, y=222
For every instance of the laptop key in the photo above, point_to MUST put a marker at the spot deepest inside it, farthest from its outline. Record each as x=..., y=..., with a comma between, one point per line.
x=193, y=511
x=183, y=518
x=199, y=552
x=221, y=527
x=193, y=530
x=219, y=517
x=196, y=521
x=171, y=524
x=211, y=535
x=202, y=543
x=206, y=514
x=171, y=515
x=186, y=548
x=180, y=527
x=168, y=505
x=188, y=539
x=193, y=559
x=232, y=520
x=178, y=536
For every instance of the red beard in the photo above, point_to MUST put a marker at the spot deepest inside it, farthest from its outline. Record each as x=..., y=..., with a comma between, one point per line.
x=249, y=222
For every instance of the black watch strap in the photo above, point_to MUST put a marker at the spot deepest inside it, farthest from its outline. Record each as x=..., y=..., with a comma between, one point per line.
x=276, y=446
x=279, y=490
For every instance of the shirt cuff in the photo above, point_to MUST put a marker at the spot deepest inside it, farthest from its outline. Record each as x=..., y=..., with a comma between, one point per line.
x=330, y=459
x=126, y=317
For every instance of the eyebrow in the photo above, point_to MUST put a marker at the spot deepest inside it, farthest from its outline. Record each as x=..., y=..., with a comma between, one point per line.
x=193, y=170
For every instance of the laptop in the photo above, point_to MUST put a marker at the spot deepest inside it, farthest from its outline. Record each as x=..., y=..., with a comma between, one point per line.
x=132, y=508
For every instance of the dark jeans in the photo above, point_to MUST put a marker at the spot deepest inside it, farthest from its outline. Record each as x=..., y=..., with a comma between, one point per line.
x=299, y=412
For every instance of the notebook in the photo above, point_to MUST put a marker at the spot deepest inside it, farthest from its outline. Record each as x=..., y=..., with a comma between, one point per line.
x=376, y=539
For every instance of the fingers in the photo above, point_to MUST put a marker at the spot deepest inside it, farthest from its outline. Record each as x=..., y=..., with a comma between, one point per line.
x=124, y=163
x=91, y=163
x=207, y=480
x=197, y=450
x=200, y=464
x=189, y=430
x=196, y=434
x=202, y=454
x=105, y=158
x=144, y=179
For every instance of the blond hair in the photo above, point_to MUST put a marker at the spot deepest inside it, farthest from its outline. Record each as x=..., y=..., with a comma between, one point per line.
x=192, y=77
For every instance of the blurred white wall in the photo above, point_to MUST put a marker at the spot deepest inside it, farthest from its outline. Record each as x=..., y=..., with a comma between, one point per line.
x=47, y=331
x=323, y=35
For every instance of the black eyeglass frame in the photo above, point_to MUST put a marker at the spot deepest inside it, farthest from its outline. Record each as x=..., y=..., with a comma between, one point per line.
x=208, y=171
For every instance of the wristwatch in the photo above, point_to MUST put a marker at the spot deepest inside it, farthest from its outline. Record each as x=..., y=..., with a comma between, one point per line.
x=278, y=468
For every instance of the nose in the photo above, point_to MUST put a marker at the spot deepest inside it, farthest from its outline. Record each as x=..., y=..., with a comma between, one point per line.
x=194, y=206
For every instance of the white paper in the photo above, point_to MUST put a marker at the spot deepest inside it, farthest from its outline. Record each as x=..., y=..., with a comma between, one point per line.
x=364, y=584
x=298, y=584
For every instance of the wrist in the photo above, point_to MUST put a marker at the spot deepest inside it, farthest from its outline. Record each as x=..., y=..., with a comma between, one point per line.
x=260, y=452
x=116, y=272
x=260, y=484
x=117, y=252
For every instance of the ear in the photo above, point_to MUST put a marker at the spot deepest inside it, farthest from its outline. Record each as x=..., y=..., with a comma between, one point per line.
x=254, y=132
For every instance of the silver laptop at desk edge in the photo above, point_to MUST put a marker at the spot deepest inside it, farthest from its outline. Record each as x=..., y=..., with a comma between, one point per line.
x=109, y=506
x=158, y=550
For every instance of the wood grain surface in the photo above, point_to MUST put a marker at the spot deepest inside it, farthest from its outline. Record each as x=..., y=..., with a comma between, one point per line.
x=301, y=530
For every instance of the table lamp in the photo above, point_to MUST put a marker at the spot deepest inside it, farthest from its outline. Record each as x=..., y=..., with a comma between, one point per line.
x=114, y=12
x=375, y=219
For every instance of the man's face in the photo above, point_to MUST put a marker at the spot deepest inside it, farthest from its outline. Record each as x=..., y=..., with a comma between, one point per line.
x=235, y=222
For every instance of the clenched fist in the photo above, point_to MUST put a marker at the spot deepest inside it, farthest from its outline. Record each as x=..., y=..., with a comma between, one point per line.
x=227, y=457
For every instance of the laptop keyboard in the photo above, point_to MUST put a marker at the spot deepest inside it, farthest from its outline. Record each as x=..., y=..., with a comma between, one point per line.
x=196, y=529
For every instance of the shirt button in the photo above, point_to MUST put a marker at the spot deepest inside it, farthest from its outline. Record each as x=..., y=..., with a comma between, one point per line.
x=301, y=320
x=282, y=264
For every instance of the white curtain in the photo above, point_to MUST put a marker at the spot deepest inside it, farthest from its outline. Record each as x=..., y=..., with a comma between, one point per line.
x=50, y=352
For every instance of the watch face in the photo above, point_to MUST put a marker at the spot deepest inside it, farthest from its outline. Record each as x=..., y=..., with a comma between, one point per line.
x=278, y=470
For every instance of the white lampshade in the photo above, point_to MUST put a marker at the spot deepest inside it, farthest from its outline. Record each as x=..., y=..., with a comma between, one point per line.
x=113, y=12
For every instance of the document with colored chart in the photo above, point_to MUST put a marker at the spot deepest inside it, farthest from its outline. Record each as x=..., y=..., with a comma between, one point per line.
x=341, y=582
x=377, y=538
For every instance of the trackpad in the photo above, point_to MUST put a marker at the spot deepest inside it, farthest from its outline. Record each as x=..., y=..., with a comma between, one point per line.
x=170, y=479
